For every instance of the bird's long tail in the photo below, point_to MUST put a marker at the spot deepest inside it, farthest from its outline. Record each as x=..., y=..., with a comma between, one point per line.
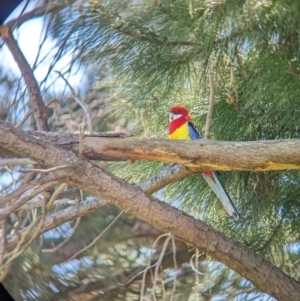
x=215, y=184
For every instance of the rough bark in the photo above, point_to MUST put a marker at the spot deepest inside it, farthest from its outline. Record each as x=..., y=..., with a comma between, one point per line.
x=91, y=178
x=204, y=154
x=197, y=155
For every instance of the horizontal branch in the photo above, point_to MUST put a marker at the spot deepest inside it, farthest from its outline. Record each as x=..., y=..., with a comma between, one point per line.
x=201, y=154
x=198, y=155
x=16, y=161
x=65, y=198
x=170, y=174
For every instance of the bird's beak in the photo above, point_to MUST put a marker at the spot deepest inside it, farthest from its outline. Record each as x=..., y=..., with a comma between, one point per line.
x=189, y=116
x=174, y=116
x=171, y=116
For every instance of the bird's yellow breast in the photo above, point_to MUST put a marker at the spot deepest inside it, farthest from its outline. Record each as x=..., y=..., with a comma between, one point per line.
x=181, y=133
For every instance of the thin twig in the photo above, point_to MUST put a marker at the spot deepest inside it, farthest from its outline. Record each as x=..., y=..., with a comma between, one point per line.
x=68, y=197
x=233, y=83
x=21, y=246
x=196, y=274
x=16, y=194
x=54, y=196
x=139, y=273
x=67, y=82
x=22, y=12
x=65, y=240
x=28, y=114
x=87, y=114
x=163, y=286
x=16, y=205
x=160, y=258
x=273, y=235
x=36, y=202
x=16, y=252
x=3, y=241
x=81, y=103
x=37, y=12
x=56, y=219
x=148, y=265
x=247, y=291
x=81, y=136
x=98, y=237
x=196, y=262
x=16, y=161
x=44, y=170
x=210, y=107
x=175, y=268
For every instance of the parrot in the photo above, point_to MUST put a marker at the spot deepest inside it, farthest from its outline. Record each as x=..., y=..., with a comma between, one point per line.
x=182, y=127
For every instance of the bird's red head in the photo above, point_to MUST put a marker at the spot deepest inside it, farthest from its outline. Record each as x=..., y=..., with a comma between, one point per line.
x=180, y=111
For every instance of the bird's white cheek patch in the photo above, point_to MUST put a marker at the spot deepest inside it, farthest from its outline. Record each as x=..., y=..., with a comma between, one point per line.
x=174, y=116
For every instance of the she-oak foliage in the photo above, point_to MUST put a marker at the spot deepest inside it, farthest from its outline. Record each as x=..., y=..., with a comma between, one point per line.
x=159, y=54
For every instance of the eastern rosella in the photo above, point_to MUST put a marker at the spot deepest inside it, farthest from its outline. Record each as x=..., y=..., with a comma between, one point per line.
x=182, y=127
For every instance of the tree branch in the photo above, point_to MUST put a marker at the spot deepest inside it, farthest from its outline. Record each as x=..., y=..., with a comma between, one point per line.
x=36, y=100
x=16, y=161
x=197, y=155
x=16, y=205
x=94, y=180
x=80, y=102
x=202, y=154
x=97, y=238
x=68, y=197
x=65, y=215
x=170, y=174
x=37, y=12
x=25, y=188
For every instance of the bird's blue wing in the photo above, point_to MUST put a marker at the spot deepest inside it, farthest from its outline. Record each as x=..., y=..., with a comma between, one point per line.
x=194, y=134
